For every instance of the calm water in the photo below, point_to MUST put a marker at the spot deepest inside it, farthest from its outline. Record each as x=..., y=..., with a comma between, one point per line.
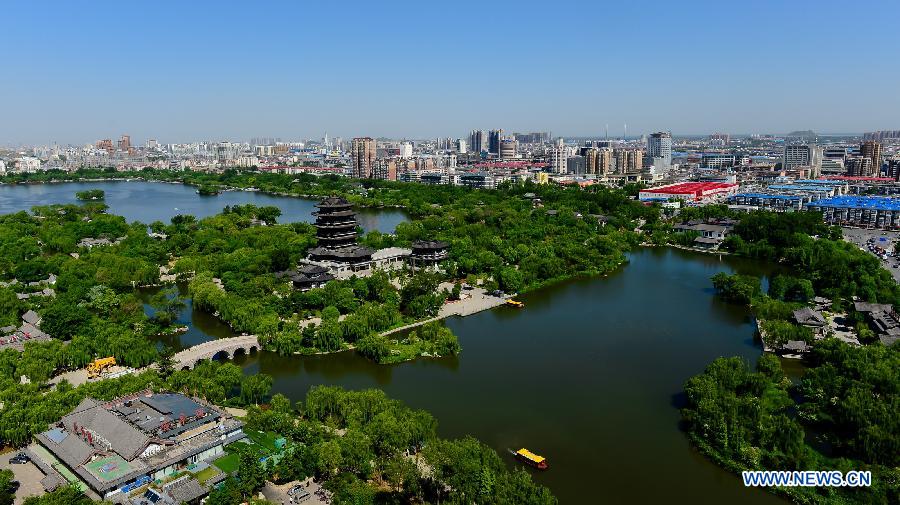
x=154, y=201
x=588, y=374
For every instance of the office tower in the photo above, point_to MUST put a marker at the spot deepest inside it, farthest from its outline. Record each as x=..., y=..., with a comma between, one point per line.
x=478, y=140
x=872, y=150
x=362, y=156
x=406, y=150
x=509, y=149
x=832, y=166
x=859, y=166
x=461, y=146
x=152, y=144
x=494, y=137
x=125, y=143
x=797, y=155
x=659, y=145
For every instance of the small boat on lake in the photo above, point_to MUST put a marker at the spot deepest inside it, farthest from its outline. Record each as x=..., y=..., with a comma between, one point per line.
x=515, y=303
x=532, y=459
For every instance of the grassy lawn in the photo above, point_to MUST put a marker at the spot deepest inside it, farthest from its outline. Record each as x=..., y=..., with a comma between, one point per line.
x=227, y=463
x=209, y=472
x=264, y=440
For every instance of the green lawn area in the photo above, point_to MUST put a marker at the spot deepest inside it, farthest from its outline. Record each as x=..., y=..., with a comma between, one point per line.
x=209, y=472
x=264, y=440
x=227, y=463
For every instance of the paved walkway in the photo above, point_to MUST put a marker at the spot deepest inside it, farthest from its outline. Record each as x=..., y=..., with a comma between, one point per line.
x=474, y=301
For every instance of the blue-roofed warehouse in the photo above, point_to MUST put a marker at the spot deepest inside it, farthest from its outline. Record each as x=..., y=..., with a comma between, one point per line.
x=867, y=211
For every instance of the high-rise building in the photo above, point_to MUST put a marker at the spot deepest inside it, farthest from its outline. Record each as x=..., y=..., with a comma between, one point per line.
x=532, y=138
x=106, y=145
x=659, y=145
x=598, y=160
x=872, y=150
x=461, y=146
x=494, y=138
x=576, y=165
x=882, y=135
x=558, y=156
x=385, y=169
x=406, y=150
x=478, y=140
x=859, y=166
x=509, y=149
x=893, y=168
x=628, y=160
x=125, y=143
x=362, y=157
x=797, y=155
x=719, y=139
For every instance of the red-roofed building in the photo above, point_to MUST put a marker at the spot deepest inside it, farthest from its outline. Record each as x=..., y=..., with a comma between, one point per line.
x=692, y=191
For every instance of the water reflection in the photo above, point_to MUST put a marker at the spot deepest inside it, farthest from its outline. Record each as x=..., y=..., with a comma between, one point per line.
x=130, y=199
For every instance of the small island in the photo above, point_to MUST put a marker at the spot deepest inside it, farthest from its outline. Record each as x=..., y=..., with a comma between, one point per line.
x=209, y=190
x=91, y=194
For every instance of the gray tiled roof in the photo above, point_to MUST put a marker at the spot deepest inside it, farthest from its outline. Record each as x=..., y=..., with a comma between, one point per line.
x=186, y=490
x=124, y=439
x=809, y=317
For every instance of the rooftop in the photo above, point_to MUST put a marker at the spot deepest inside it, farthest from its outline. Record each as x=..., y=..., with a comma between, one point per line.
x=858, y=202
x=690, y=187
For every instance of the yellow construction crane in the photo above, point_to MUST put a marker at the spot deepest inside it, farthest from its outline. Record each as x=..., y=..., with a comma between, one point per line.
x=100, y=365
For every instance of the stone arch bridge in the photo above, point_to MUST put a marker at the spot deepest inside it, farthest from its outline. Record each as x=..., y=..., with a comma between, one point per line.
x=226, y=348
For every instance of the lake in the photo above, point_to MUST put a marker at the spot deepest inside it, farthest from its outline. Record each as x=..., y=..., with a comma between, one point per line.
x=589, y=375
x=157, y=201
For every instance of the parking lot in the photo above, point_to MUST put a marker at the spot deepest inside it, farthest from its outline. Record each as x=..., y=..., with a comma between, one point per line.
x=28, y=475
x=863, y=239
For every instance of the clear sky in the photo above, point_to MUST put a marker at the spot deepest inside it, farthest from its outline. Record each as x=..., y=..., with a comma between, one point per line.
x=76, y=72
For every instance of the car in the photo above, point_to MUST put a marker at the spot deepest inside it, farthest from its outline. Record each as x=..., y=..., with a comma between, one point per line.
x=19, y=459
x=298, y=489
x=13, y=486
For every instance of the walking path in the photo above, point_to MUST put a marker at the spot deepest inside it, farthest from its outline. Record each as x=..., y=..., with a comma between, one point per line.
x=476, y=300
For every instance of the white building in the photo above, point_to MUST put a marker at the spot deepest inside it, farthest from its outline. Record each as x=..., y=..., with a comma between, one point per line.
x=659, y=145
x=27, y=164
x=800, y=155
x=559, y=155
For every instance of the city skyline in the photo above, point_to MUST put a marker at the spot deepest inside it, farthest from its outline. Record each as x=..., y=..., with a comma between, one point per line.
x=295, y=72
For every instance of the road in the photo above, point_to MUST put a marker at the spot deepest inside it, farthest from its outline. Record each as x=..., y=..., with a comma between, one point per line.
x=860, y=238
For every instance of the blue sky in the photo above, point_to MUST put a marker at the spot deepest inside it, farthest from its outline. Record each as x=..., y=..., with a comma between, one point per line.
x=178, y=71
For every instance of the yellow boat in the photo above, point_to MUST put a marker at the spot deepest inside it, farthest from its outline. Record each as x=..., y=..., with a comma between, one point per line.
x=532, y=459
x=515, y=303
